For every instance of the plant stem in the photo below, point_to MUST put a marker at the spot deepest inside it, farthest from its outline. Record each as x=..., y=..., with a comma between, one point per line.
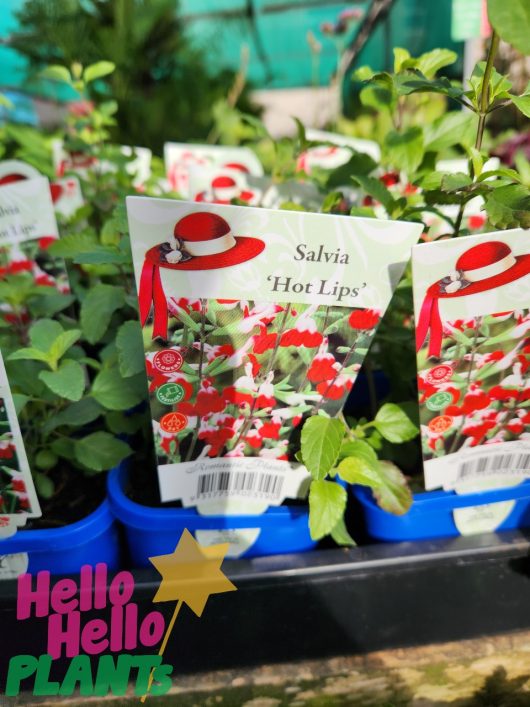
x=482, y=113
x=201, y=361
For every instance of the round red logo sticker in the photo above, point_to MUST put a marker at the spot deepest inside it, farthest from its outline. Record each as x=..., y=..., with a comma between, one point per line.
x=173, y=422
x=439, y=374
x=440, y=423
x=168, y=361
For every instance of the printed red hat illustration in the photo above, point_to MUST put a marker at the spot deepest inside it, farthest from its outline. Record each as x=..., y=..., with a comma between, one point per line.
x=224, y=188
x=200, y=241
x=483, y=267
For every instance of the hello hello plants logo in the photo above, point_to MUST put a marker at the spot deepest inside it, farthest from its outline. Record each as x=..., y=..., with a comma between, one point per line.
x=190, y=575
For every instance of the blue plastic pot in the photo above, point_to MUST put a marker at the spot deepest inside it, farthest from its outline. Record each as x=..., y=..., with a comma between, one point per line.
x=65, y=550
x=431, y=513
x=156, y=531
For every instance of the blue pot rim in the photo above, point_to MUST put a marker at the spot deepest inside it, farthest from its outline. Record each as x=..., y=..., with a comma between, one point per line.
x=439, y=500
x=136, y=515
x=53, y=539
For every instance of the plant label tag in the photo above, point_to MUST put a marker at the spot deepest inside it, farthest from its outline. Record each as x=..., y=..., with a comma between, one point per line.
x=67, y=196
x=12, y=566
x=253, y=320
x=472, y=301
x=215, y=185
x=239, y=539
x=27, y=228
x=67, y=163
x=18, y=498
x=181, y=157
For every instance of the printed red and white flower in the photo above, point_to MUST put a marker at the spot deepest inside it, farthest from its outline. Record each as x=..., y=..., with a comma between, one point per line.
x=324, y=366
x=305, y=331
x=364, y=319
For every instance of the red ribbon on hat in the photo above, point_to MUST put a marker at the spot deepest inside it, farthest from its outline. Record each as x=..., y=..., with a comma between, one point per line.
x=151, y=295
x=482, y=267
x=430, y=323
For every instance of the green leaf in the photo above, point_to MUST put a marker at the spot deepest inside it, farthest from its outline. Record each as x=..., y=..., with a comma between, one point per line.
x=100, y=451
x=341, y=536
x=394, y=424
x=43, y=483
x=30, y=354
x=67, y=382
x=359, y=470
x=400, y=56
x=129, y=342
x=456, y=181
x=97, y=309
x=320, y=444
x=72, y=244
x=327, y=502
x=19, y=401
x=43, y=333
x=453, y=128
x=98, y=70
x=523, y=103
x=291, y=206
x=509, y=207
x=358, y=164
x=431, y=62
x=61, y=344
x=116, y=393
x=511, y=20
x=56, y=72
x=393, y=495
x=75, y=415
x=405, y=150
x=376, y=189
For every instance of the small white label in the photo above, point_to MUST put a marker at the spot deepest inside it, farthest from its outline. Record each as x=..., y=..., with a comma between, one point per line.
x=248, y=480
x=482, y=519
x=511, y=459
x=240, y=539
x=11, y=566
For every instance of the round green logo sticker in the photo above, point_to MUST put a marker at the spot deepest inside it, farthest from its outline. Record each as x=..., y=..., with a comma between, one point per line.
x=170, y=393
x=439, y=400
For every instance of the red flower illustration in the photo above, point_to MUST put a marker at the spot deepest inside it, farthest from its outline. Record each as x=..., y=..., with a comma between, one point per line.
x=364, y=319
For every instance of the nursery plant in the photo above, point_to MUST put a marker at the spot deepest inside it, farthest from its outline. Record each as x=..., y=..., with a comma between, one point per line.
x=79, y=372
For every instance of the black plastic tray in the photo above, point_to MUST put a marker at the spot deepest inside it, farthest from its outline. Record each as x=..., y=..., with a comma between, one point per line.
x=332, y=602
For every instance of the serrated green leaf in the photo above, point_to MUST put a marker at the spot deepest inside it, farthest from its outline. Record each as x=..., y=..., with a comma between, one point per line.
x=320, y=444
x=456, y=181
x=359, y=470
x=72, y=244
x=509, y=207
x=43, y=333
x=116, y=393
x=100, y=451
x=431, y=62
x=19, y=401
x=511, y=20
x=359, y=164
x=376, y=189
x=327, y=502
x=394, y=424
x=453, y=128
x=61, y=344
x=523, y=103
x=29, y=353
x=97, y=309
x=98, y=70
x=394, y=494
x=68, y=381
x=77, y=414
x=129, y=342
x=405, y=149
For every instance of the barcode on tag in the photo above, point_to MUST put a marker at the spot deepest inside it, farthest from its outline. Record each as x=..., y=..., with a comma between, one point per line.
x=510, y=463
x=225, y=483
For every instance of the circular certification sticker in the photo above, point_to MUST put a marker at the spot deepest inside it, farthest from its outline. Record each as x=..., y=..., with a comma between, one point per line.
x=170, y=393
x=168, y=361
x=439, y=400
x=173, y=422
x=440, y=423
x=439, y=374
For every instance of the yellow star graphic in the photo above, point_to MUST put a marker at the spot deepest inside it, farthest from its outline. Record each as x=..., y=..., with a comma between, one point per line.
x=191, y=573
